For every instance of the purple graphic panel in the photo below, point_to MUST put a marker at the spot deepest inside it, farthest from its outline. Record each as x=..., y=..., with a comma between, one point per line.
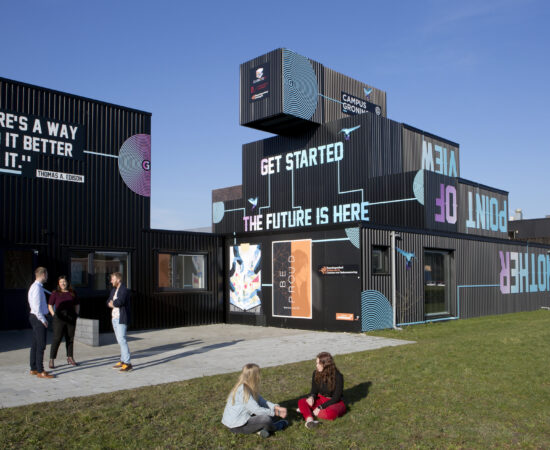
x=134, y=163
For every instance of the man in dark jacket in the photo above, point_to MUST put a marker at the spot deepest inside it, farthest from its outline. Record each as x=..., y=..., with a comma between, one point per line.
x=119, y=302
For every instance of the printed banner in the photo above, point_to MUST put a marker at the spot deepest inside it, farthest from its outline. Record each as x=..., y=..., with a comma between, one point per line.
x=245, y=278
x=292, y=279
x=259, y=82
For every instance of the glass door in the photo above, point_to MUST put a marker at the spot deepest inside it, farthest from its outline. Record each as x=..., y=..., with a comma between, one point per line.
x=436, y=283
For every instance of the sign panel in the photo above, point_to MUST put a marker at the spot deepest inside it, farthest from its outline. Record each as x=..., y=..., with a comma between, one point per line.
x=345, y=316
x=24, y=138
x=245, y=278
x=352, y=105
x=292, y=279
x=74, y=178
x=259, y=83
x=338, y=270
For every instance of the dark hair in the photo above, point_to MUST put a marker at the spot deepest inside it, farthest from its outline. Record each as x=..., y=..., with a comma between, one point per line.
x=328, y=375
x=69, y=287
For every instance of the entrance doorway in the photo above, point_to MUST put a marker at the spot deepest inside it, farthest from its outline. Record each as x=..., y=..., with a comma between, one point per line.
x=437, y=277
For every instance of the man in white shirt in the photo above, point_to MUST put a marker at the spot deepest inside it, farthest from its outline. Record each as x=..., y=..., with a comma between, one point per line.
x=39, y=323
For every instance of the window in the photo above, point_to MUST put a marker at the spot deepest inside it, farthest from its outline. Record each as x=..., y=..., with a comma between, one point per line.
x=79, y=269
x=436, y=282
x=18, y=269
x=93, y=269
x=179, y=271
x=380, y=260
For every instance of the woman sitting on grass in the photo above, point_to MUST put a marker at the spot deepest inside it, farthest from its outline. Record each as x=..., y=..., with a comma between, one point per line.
x=325, y=399
x=246, y=411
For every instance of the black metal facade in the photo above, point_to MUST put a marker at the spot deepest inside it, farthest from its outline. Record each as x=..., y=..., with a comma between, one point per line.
x=479, y=275
x=52, y=218
x=355, y=179
x=302, y=94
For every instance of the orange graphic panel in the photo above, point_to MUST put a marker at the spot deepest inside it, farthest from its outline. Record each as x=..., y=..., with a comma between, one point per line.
x=301, y=296
x=292, y=279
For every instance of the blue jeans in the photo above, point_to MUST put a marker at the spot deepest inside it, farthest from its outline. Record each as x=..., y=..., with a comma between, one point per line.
x=120, y=333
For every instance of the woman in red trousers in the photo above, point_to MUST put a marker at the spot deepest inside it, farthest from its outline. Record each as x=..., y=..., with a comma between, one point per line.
x=325, y=399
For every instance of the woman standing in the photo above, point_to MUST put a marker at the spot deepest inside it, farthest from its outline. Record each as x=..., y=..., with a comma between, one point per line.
x=246, y=411
x=325, y=399
x=64, y=307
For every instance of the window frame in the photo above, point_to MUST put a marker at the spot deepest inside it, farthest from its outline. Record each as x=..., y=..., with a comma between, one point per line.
x=386, y=255
x=448, y=256
x=173, y=253
x=89, y=287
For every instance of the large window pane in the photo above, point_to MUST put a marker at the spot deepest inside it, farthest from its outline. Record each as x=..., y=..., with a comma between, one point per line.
x=105, y=263
x=178, y=271
x=79, y=269
x=18, y=273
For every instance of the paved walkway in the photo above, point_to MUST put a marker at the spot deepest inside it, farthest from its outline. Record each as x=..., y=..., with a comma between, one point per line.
x=163, y=356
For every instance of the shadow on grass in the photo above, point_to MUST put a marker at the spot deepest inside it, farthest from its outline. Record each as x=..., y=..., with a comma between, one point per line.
x=351, y=396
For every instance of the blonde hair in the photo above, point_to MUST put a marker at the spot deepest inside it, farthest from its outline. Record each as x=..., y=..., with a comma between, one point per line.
x=250, y=379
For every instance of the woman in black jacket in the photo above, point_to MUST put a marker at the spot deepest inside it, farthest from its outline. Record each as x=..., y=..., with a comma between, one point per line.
x=325, y=399
x=64, y=307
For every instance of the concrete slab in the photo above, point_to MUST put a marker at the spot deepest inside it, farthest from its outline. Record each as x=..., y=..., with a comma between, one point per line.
x=163, y=356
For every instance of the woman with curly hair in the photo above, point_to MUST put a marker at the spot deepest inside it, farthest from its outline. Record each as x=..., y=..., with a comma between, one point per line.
x=325, y=399
x=246, y=411
x=64, y=307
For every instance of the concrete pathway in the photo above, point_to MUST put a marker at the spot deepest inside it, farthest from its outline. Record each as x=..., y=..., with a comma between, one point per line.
x=163, y=356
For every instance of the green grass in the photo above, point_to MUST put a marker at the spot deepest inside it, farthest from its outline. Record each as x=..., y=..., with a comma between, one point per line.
x=478, y=383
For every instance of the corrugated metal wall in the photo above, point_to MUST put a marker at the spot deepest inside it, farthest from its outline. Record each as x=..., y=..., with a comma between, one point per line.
x=333, y=85
x=475, y=274
x=374, y=150
x=412, y=149
x=472, y=196
x=267, y=114
x=155, y=309
x=56, y=217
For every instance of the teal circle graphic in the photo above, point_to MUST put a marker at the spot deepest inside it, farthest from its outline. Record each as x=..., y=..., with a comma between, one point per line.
x=300, y=91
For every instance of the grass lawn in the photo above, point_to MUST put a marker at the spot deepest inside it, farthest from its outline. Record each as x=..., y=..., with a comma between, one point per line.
x=474, y=383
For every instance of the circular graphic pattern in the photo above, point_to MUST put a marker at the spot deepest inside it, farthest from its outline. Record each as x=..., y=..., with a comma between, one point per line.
x=300, y=92
x=376, y=311
x=218, y=211
x=134, y=163
x=418, y=186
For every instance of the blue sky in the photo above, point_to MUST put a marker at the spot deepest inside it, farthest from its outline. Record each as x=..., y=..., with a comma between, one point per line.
x=474, y=72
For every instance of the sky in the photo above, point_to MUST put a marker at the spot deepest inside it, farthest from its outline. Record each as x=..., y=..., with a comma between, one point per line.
x=473, y=72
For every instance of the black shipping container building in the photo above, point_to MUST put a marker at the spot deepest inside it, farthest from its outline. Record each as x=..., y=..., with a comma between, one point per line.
x=75, y=198
x=347, y=220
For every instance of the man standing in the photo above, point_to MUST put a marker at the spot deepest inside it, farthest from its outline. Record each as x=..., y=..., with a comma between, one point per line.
x=37, y=318
x=119, y=301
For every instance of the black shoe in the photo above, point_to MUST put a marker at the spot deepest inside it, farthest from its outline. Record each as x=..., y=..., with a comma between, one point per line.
x=263, y=433
x=312, y=424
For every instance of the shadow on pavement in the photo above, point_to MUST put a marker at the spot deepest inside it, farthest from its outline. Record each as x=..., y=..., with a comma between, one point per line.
x=139, y=354
x=16, y=340
x=205, y=349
